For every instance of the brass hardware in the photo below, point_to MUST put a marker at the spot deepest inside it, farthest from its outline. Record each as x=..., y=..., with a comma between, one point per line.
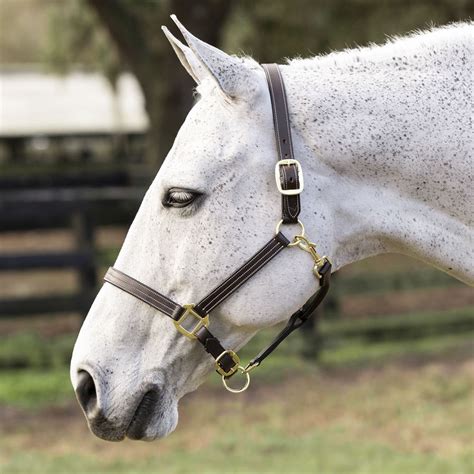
x=305, y=244
x=202, y=322
x=234, y=369
x=244, y=387
x=299, y=171
x=249, y=367
x=294, y=241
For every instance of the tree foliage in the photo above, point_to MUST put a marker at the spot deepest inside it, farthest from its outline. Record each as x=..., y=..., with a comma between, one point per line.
x=75, y=36
x=113, y=35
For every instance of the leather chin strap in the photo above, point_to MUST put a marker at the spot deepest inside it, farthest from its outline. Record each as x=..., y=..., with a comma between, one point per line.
x=289, y=179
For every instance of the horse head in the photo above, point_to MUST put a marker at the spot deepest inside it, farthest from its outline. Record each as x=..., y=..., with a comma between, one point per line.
x=212, y=205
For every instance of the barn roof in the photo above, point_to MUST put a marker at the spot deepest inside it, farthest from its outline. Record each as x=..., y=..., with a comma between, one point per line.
x=35, y=103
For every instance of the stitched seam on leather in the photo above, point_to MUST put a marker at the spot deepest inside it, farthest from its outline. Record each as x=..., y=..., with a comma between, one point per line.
x=297, y=200
x=285, y=177
x=243, y=277
x=287, y=114
x=133, y=288
x=275, y=112
x=141, y=296
x=241, y=280
x=288, y=210
x=155, y=296
x=135, y=293
x=232, y=282
x=209, y=298
x=128, y=280
x=286, y=202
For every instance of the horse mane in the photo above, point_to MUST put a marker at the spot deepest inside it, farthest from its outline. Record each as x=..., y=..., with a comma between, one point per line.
x=433, y=39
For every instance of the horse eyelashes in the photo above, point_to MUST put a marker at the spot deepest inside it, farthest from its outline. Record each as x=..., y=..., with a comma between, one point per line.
x=179, y=198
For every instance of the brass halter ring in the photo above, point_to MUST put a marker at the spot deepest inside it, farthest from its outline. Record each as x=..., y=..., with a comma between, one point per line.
x=295, y=240
x=242, y=370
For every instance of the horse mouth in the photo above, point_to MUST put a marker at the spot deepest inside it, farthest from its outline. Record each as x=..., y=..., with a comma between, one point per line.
x=143, y=415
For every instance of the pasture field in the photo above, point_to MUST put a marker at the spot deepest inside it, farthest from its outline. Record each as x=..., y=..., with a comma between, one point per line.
x=409, y=411
x=392, y=392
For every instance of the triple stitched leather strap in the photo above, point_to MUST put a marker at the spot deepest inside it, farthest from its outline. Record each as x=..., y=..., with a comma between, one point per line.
x=246, y=271
x=287, y=172
x=143, y=293
x=175, y=311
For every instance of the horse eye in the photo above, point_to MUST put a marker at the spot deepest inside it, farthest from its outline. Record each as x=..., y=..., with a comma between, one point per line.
x=176, y=197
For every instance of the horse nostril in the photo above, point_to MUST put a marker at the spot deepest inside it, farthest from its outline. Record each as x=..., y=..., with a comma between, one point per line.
x=86, y=393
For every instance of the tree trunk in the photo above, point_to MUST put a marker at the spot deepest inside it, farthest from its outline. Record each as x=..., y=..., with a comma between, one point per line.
x=135, y=29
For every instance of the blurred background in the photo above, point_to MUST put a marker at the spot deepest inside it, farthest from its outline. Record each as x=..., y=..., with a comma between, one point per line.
x=91, y=97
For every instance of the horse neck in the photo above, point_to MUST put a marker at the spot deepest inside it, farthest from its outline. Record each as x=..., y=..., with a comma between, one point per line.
x=384, y=134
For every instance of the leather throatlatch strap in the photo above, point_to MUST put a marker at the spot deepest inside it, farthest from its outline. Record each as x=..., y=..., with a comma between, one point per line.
x=299, y=317
x=289, y=177
x=173, y=310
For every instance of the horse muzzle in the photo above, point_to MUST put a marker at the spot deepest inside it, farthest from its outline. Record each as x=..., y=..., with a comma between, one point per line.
x=147, y=414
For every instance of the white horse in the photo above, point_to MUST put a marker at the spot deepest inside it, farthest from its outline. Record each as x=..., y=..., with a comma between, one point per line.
x=383, y=134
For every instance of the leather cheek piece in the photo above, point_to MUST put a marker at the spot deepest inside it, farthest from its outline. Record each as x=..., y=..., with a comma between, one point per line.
x=290, y=205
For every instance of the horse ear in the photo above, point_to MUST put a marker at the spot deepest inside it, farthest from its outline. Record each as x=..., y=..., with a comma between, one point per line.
x=233, y=75
x=186, y=57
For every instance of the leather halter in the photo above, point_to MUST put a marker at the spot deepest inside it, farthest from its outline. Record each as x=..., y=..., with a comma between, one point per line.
x=289, y=179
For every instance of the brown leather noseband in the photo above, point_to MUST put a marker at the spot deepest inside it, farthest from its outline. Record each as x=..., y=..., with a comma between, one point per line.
x=289, y=179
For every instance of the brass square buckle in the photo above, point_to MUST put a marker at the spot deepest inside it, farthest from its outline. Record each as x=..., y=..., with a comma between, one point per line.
x=201, y=322
x=231, y=371
x=289, y=192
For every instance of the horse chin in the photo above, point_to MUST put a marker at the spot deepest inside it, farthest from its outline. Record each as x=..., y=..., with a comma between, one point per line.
x=154, y=418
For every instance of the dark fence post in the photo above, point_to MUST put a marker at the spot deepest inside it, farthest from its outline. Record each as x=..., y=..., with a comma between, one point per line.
x=84, y=234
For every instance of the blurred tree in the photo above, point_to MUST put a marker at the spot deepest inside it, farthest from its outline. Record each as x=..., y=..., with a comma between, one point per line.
x=135, y=29
x=22, y=40
x=74, y=32
x=272, y=30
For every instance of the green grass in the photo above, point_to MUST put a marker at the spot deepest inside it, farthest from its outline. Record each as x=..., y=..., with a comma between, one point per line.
x=395, y=420
x=30, y=350
x=34, y=389
x=379, y=407
x=322, y=451
x=374, y=417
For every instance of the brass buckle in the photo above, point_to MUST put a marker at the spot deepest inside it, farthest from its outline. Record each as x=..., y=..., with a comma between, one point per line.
x=289, y=192
x=231, y=371
x=202, y=322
